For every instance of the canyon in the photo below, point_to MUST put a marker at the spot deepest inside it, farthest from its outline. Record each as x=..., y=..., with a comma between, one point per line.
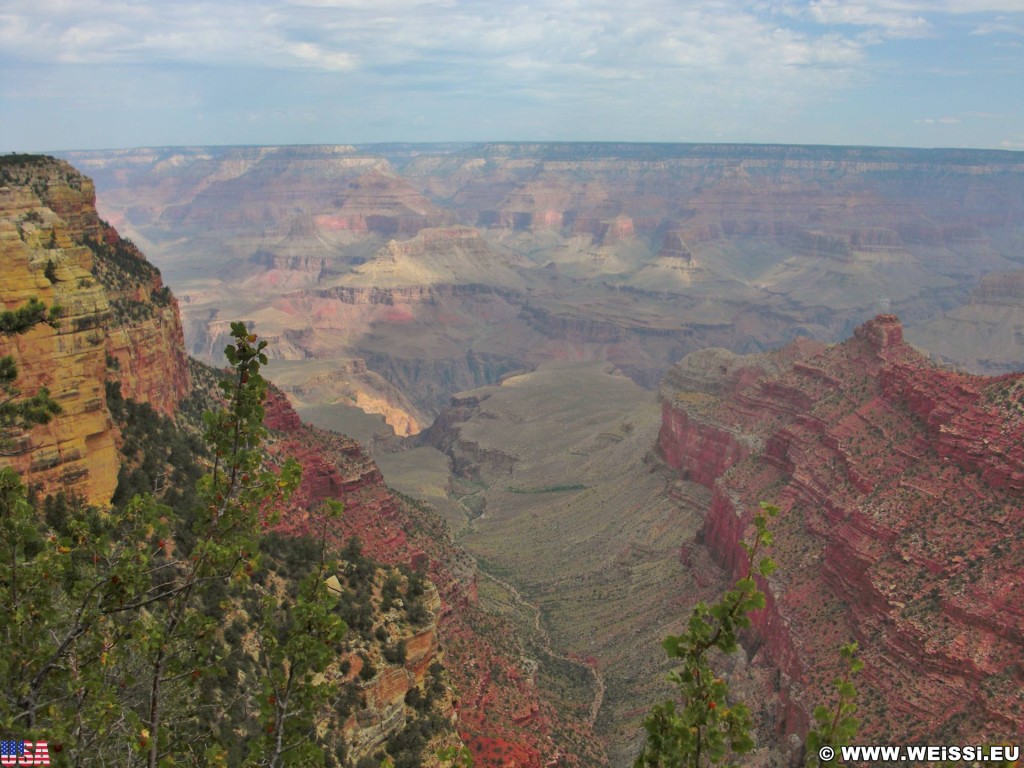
x=584, y=367
x=503, y=713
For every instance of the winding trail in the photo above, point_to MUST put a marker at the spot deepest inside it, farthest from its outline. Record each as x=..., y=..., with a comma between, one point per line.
x=545, y=643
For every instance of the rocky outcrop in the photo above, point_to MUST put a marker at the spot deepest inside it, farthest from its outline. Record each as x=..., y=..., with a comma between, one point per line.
x=118, y=323
x=699, y=451
x=468, y=457
x=674, y=247
x=901, y=489
x=384, y=712
x=350, y=382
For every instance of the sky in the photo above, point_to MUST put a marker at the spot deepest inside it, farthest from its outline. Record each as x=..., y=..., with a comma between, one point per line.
x=101, y=74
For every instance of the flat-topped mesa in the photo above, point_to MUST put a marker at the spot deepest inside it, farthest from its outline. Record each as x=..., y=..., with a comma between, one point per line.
x=430, y=237
x=900, y=486
x=882, y=332
x=118, y=323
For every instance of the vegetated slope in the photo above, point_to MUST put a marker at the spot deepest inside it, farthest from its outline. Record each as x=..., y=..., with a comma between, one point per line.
x=392, y=694
x=636, y=254
x=901, y=488
x=119, y=337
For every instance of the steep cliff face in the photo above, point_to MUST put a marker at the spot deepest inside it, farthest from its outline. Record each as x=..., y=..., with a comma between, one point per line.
x=901, y=490
x=145, y=344
x=118, y=323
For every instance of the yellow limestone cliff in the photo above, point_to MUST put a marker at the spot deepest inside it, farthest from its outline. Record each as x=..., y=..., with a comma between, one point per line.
x=118, y=323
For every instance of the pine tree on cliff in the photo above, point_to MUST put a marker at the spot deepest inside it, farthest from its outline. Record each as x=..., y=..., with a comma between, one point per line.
x=177, y=635
x=108, y=632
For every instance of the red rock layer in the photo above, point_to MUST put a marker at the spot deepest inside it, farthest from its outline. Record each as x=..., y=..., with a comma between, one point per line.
x=901, y=494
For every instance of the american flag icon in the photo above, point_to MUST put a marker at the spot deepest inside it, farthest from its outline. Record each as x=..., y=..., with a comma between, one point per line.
x=16, y=752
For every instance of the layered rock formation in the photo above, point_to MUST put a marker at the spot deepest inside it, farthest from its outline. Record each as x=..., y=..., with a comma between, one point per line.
x=901, y=493
x=386, y=204
x=636, y=254
x=118, y=323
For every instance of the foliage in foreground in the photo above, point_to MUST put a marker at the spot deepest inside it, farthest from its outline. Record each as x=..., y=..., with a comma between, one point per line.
x=146, y=634
x=707, y=728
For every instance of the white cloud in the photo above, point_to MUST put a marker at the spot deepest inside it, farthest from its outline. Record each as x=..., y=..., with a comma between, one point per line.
x=999, y=26
x=336, y=35
x=892, y=19
x=319, y=58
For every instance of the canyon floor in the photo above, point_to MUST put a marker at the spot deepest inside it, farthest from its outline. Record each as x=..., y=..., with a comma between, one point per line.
x=584, y=539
